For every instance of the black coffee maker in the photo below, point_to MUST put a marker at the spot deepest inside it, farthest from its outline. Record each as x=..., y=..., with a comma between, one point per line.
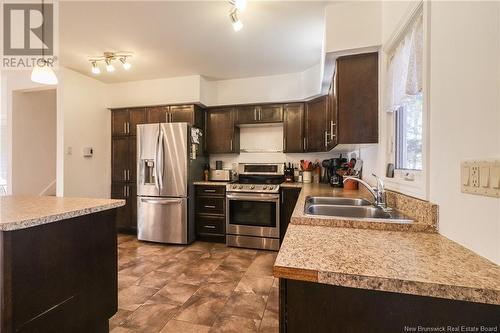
x=331, y=167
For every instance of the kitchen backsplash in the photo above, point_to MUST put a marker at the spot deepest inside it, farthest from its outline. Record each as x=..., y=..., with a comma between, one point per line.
x=264, y=144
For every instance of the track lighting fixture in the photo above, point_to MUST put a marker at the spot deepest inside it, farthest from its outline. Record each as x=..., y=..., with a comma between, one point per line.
x=108, y=59
x=237, y=24
x=125, y=63
x=237, y=6
x=95, y=70
x=109, y=66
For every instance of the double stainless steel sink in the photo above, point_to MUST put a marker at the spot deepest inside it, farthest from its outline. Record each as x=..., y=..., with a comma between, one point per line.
x=352, y=208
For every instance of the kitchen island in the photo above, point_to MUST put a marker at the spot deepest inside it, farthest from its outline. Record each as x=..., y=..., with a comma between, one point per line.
x=344, y=275
x=58, y=264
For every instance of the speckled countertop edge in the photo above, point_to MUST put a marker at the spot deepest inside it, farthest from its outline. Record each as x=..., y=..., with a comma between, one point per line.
x=422, y=264
x=93, y=206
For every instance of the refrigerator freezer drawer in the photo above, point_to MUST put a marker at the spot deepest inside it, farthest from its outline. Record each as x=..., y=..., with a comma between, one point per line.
x=162, y=220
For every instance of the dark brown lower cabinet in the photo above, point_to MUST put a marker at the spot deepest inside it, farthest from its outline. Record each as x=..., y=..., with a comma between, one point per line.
x=289, y=196
x=60, y=277
x=126, y=219
x=307, y=307
x=210, y=212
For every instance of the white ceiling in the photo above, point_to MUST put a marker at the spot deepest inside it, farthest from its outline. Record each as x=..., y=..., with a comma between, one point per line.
x=171, y=39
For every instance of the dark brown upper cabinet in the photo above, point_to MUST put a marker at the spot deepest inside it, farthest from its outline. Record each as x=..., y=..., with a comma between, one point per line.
x=316, y=133
x=124, y=121
x=253, y=114
x=293, y=128
x=271, y=113
x=191, y=114
x=222, y=136
x=119, y=122
x=356, y=96
x=158, y=114
x=247, y=114
x=137, y=116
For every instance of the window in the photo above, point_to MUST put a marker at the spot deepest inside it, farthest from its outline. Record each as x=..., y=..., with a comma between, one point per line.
x=408, y=136
x=404, y=97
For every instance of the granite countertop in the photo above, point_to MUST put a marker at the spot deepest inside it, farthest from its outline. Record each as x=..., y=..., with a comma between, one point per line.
x=299, y=217
x=202, y=182
x=20, y=212
x=416, y=263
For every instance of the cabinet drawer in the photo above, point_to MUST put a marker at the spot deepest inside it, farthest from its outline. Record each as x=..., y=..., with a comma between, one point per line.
x=211, y=190
x=210, y=225
x=208, y=205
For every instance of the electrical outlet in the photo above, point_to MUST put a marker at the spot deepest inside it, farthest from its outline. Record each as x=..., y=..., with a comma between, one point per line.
x=474, y=176
x=481, y=177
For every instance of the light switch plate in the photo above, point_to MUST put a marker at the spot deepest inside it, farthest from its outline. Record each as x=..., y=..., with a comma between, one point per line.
x=481, y=177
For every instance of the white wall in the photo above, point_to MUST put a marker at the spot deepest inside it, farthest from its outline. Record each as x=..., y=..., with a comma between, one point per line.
x=352, y=25
x=86, y=122
x=275, y=88
x=184, y=89
x=34, y=142
x=465, y=117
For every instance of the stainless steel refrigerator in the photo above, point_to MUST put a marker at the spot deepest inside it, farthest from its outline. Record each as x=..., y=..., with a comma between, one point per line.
x=168, y=161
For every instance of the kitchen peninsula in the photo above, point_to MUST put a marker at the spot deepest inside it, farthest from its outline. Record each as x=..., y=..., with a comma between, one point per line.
x=339, y=275
x=58, y=263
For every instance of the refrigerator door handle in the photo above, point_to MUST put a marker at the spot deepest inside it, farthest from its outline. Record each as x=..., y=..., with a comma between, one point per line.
x=157, y=185
x=160, y=156
x=162, y=202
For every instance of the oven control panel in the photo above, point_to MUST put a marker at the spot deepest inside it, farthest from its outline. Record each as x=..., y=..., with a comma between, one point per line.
x=258, y=188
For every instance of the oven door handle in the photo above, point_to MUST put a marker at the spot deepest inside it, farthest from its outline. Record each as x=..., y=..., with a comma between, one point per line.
x=253, y=197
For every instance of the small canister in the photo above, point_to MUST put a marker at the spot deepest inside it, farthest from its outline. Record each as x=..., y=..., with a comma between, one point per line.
x=306, y=176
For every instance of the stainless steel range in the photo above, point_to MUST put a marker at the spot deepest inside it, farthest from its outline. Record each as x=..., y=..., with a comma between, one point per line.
x=253, y=207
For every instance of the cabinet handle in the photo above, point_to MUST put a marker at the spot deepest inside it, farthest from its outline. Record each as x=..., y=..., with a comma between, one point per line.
x=305, y=144
x=128, y=174
x=209, y=191
x=124, y=128
x=209, y=226
x=255, y=114
x=128, y=128
x=209, y=206
x=231, y=145
x=128, y=191
x=124, y=174
x=260, y=114
x=326, y=139
x=332, y=125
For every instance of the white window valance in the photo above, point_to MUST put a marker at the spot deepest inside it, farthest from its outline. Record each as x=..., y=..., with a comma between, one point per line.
x=405, y=68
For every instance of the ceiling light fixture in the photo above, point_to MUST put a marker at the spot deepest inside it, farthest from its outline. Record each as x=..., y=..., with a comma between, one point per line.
x=109, y=66
x=42, y=72
x=95, y=70
x=237, y=24
x=126, y=64
x=108, y=59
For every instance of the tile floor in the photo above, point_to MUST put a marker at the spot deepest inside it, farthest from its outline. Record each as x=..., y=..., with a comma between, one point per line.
x=203, y=287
